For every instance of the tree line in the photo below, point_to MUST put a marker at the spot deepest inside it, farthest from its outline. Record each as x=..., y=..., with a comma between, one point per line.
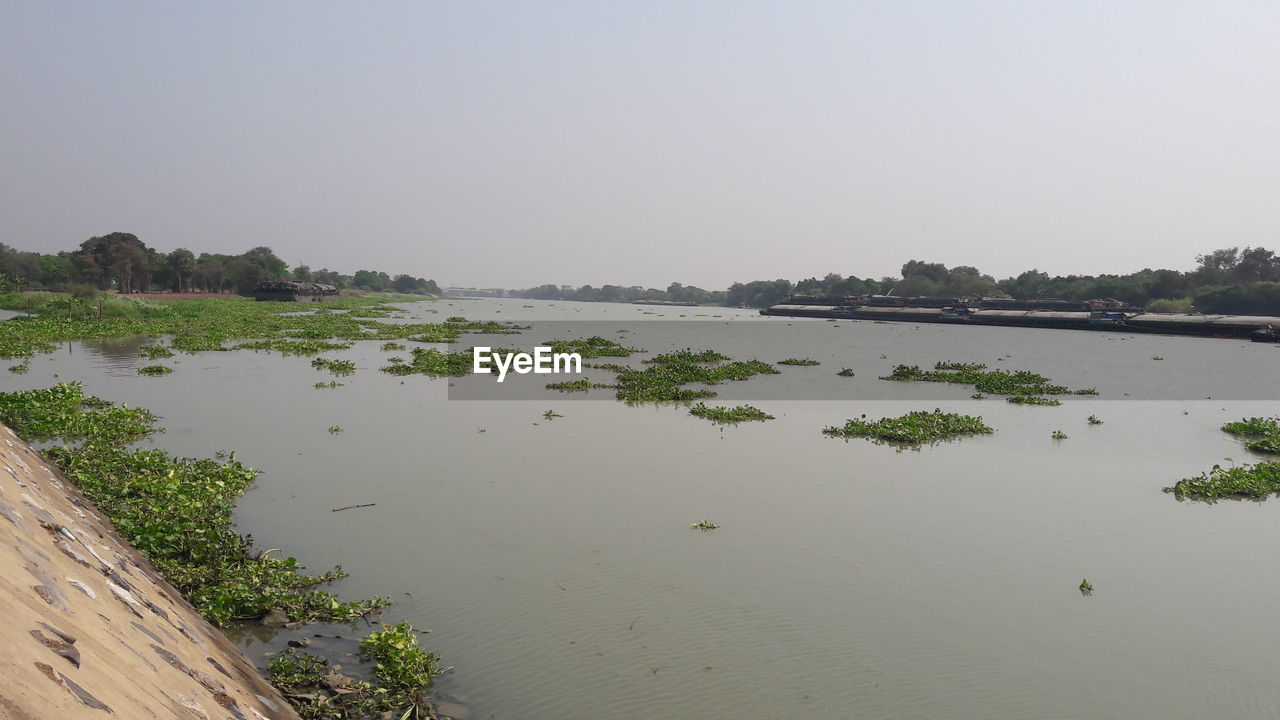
x=1230, y=280
x=120, y=261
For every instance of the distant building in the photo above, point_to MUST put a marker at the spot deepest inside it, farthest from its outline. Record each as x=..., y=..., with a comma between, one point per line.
x=291, y=291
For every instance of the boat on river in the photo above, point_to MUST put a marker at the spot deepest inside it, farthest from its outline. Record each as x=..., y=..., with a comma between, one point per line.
x=1096, y=314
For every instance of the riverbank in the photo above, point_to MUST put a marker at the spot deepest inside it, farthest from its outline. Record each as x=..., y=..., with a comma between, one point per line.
x=92, y=629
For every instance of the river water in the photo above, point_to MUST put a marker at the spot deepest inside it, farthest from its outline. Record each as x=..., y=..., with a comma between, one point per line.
x=554, y=563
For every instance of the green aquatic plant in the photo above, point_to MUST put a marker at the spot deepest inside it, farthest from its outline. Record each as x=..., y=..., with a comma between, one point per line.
x=592, y=347
x=729, y=416
x=1086, y=588
x=175, y=511
x=799, y=361
x=992, y=382
x=155, y=352
x=455, y=319
x=337, y=367
x=704, y=525
x=1032, y=400
x=154, y=370
x=1238, y=481
x=665, y=382
x=209, y=323
x=1262, y=435
x=846, y=372
x=1093, y=420
x=21, y=368
x=687, y=356
x=438, y=363
x=579, y=385
x=551, y=415
x=335, y=429
x=914, y=428
x=328, y=385
x=393, y=346
x=294, y=347
x=1058, y=435
x=401, y=679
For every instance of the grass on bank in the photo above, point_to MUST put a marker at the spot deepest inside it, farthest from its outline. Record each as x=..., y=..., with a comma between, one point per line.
x=914, y=428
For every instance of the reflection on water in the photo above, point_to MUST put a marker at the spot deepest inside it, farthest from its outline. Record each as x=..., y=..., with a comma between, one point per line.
x=554, y=563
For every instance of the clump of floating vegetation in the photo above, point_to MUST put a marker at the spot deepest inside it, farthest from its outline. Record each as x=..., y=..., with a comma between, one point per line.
x=704, y=524
x=335, y=429
x=1058, y=435
x=337, y=367
x=1086, y=587
x=455, y=319
x=994, y=382
x=154, y=370
x=914, y=428
x=729, y=416
x=687, y=356
x=551, y=415
x=799, y=361
x=1033, y=400
x=155, y=352
x=1093, y=420
x=846, y=372
x=294, y=347
x=580, y=385
x=1156, y=357
x=328, y=385
x=1262, y=434
x=592, y=347
x=429, y=361
x=1238, y=481
x=176, y=511
x=21, y=368
x=665, y=382
x=392, y=346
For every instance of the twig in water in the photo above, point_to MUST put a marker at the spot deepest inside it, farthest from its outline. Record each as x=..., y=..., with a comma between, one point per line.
x=348, y=507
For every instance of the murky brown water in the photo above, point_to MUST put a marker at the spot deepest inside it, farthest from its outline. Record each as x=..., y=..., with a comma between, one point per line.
x=554, y=562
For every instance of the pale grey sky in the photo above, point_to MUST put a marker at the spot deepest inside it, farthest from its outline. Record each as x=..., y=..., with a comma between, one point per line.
x=512, y=144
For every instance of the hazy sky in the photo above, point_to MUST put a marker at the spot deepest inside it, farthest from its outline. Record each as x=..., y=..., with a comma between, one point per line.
x=512, y=144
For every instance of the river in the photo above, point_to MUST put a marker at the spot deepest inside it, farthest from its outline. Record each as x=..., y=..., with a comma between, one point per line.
x=554, y=563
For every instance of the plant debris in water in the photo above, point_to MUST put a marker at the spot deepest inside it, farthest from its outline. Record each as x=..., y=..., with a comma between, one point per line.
x=1086, y=587
x=155, y=352
x=993, y=382
x=914, y=428
x=1262, y=435
x=799, y=361
x=1058, y=435
x=705, y=524
x=155, y=370
x=846, y=372
x=551, y=414
x=402, y=671
x=1093, y=420
x=729, y=415
x=1238, y=481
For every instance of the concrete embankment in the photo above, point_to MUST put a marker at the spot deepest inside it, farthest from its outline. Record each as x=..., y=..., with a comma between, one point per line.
x=90, y=629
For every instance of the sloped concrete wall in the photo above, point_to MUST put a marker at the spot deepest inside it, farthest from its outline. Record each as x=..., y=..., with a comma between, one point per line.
x=89, y=630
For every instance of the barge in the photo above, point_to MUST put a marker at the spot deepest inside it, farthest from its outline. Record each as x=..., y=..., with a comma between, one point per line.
x=1101, y=314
